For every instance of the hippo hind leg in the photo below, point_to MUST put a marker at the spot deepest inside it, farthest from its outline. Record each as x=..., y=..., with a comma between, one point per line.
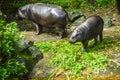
x=101, y=37
x=95, y=39
x=38, y=28
x=64, y=32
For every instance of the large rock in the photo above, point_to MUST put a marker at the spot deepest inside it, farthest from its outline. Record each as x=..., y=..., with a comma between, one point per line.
x=29, y=54
x=108, y=22
x=113, y=66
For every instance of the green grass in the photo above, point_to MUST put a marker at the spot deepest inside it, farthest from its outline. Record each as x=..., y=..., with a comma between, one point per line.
x=70, y=57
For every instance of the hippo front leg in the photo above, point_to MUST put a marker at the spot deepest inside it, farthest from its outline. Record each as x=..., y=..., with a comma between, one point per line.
x=64, y=32
x=38, y=28
x=85, y=44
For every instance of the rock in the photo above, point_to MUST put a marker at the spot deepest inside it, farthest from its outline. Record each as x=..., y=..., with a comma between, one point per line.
x=23, y=44
x=22, y=60
x=78, y=21
x=74, y=13
x=113, y=66
x=35, y=52
x=42, y=68
x=28, y=53
x=108, y=22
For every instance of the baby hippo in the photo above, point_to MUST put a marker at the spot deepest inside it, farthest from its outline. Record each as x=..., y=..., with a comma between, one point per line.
x=89, y=29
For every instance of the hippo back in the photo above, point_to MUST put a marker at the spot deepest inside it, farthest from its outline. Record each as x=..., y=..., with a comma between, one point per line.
x=46, y=14
x=94, y=26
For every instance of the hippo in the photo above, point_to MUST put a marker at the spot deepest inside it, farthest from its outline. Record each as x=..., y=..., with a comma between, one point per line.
x=46, y=15
x=87, y=30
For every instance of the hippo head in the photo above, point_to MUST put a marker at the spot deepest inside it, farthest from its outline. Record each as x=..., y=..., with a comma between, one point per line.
x=76, y=36
x=22, y=13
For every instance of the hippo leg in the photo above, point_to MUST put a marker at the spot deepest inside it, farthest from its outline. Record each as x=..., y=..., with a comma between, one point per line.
x=60, y=33
x=96, y=40
x=38, y=28
x=64, y=32
x=101, y=37
x=85, y=44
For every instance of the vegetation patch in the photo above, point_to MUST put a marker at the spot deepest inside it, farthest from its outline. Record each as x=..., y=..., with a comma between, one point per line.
x=69, y=57
x=10, y=66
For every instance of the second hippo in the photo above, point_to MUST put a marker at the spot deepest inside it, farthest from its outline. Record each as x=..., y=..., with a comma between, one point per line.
x=89, y=29
x=46, y=15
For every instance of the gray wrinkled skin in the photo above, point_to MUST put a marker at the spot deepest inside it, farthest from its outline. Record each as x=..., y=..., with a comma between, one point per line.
x=89, y=29
x=45, y=15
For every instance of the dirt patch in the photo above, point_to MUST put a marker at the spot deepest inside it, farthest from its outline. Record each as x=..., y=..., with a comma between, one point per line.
x=30, y=35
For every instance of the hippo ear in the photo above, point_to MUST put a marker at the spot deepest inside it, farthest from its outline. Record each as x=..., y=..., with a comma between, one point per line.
x=21, y=13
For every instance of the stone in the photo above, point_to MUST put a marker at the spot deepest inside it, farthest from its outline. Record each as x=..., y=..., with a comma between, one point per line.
x=108, y=22
x=28, y=53
x=36, y=53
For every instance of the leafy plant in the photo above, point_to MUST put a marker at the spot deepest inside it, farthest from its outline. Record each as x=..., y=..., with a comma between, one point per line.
x=11, y=7
x=10, y=66
x=105, y=3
